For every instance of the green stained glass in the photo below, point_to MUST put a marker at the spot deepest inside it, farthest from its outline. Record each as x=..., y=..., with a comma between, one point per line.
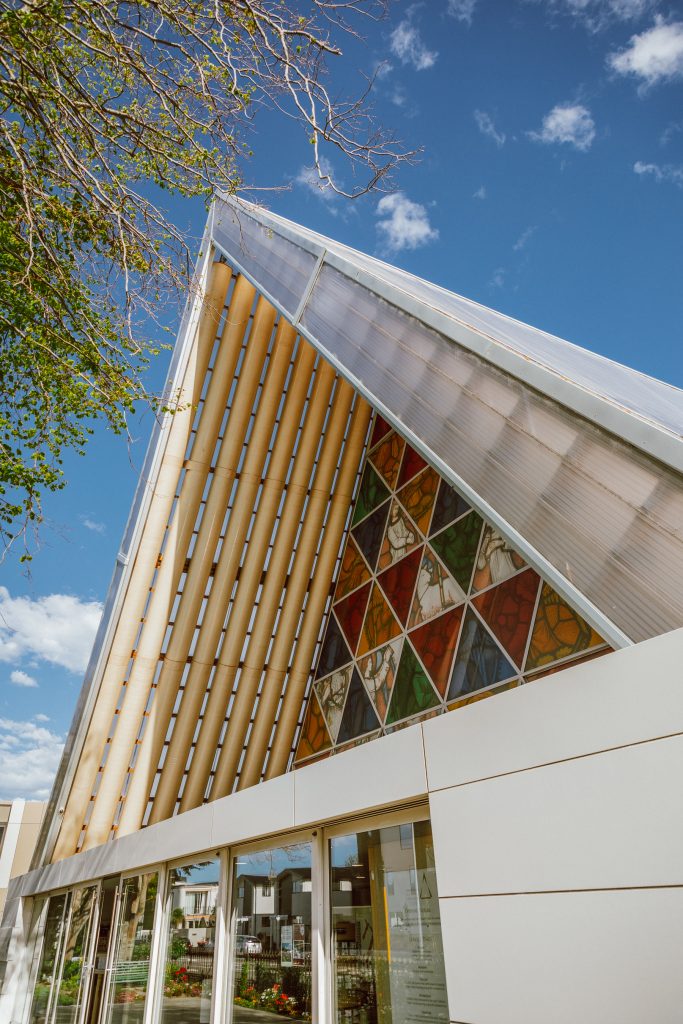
x=373, y=491
x=412, y=692
x=457, y=547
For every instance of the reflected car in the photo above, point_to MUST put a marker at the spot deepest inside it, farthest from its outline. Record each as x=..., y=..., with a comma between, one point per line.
x=248, y=944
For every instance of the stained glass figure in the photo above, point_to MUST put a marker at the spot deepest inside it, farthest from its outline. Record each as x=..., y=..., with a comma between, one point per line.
x=387, y=458
x=418, y=497
x=331, y=693
x=350, y=613
x=373, y=491
x=411, y=466
x=314, y=735
x=558, y=631
x=398, y=583
x=368, y=534
x=457, y=546
x=334, y=652
x=380, y=428
x=449, y=505
x=435, y=590
x=379, y=674
x=435, y=643
x=380, y=624
x=352, y=572
x=359, y=714
x=497, y=560
x=508, y=609
x=412, y=692
x=400, y=537
x=479, y=662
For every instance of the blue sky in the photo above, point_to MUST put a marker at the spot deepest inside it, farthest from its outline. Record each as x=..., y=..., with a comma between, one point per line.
x=550, y=187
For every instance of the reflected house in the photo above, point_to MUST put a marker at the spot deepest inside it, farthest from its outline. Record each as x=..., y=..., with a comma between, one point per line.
x=388, y=675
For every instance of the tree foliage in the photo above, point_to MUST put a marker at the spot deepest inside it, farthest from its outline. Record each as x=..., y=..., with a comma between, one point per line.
x=108, y=108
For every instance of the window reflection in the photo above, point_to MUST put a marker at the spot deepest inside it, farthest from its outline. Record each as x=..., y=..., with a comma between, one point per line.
x=43, y=993
x=74, y=971
x=386, y=930
x=130, y=974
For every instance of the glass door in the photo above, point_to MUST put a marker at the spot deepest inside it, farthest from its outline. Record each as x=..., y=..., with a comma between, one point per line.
x=76, y=972
x=44, y=993
x=129, y=955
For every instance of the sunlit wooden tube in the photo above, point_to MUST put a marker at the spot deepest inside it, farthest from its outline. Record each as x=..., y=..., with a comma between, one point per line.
x=137, y=692
x=225, y=470
x=306, y=545
x=227, y=567
x=250, y=578
x=324, y=568
x=171, y=462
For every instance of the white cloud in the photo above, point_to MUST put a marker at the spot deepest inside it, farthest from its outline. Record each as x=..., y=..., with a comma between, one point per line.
x=652, y=56
x=523, y=239
x=310, y=179
x=462, y=9
x=407, y=44
x=404, y=224
x=92, y=524
x=42, y=718
x=567, y=122
x=480, y=193
x=59, y=629
x=487, y=127
x=498, y=277
x=665, y=172
x=20, y=678
x=29, y=756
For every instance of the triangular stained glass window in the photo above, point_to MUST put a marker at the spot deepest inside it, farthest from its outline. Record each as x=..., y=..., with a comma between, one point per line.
x=353, y=571
x=359, y=714
x=435, y=642
x=400, y=537
x=380, y=624
x=314, y=735
x=558, y=631
x=398, y=583
x=411, y=466
x=479, y=661
x=373, y=491
x=378, y=671
x=380, y=428
x=386, y=458
x=435, y=590
x=457, y=547
x=449, y=505
x=418, y=497
x=368, y=534
x=508, y=610
x=331, y=694
x=496, y=561
x=412, y=692
x=351, y=612
x=334, y=652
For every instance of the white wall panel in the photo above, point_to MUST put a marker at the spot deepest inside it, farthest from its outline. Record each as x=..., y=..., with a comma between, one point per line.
x=565, y=958
x=622, y=698
x=604, y=821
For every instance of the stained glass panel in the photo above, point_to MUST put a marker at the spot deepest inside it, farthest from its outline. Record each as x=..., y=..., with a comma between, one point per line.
x=482, y=694
x=398, y=583
x=334, y=652
x=380, y=623
x=353, y=571
x=379, y=674
x=435, y=590
x=449, y=505
x=331, y=694
x=496, y=561
x=373, y=491
x=435, y=643
x=314, y=735
x=479, y=661
x=457, y=546
x=401, y=536
x=558, y=631
x=380, y=428
x=508, y=610
x=359, y=714
x=387, y=458
x=350, y=613
x=368, y=534
x=411, y=466
x=412, y=691
x=418, y=496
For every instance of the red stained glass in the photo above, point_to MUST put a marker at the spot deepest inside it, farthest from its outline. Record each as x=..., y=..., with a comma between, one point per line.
x=398, y=583
x=508, y=610
x=350, y=614
x=417, y=498
x=353, y=571
x=412, y=465
x=314, y=735
x=380, y=428
x=380, y=623
x=387, y=458
x=435, y=643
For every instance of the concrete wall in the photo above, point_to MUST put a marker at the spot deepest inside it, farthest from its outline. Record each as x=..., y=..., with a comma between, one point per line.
x=22, y=820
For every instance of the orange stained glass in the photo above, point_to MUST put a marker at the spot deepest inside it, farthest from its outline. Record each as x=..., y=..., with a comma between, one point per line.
x=417, y=497
x=473, y=698
x=314, y=735
x=353, y=571
x=387, y=457
x=380, y=624
x=400, y=537
x=591, y=656
x=558, y=631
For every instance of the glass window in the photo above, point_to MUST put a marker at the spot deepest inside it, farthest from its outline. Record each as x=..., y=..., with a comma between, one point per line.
x=74, y=978
x=189, y=962
x=130, y=974
x=272, y=934
x=50, y=959
x=386, y=931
